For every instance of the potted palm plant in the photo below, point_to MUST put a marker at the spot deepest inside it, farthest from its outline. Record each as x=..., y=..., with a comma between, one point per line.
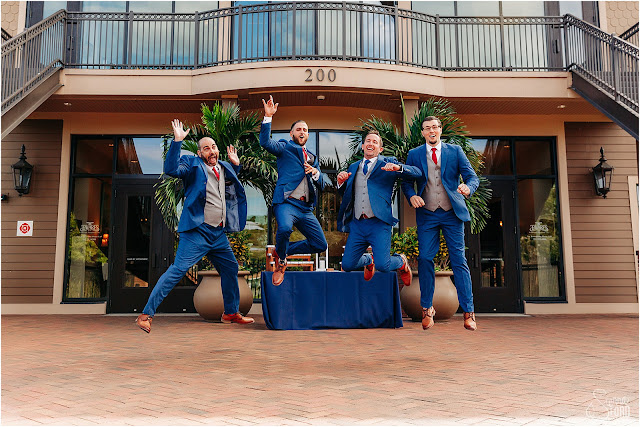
x=398, y=144
x=227, y=127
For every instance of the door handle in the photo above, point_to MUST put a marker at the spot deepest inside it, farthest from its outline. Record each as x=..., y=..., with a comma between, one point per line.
x=474, y=261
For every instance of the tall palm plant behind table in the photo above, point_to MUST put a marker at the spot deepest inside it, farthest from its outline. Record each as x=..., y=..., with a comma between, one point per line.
x=227, y=127
x=398, y=144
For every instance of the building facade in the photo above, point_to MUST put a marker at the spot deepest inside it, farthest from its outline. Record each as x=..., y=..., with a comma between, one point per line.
x=519, y=74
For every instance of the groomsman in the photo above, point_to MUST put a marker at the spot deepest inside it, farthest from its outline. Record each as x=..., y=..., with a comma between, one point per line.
x=365, y=212
x=295, y=195
x=440, y=205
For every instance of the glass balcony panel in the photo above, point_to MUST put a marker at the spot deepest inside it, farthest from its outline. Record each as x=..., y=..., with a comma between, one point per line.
x=195, y=6
x=522, y=8
x=442, y=8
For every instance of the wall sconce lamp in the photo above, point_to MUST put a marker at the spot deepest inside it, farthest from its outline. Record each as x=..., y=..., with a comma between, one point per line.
x=22, y=171
x=602, y=175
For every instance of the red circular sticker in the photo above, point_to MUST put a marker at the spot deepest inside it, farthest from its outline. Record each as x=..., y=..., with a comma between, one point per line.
x=24, y=228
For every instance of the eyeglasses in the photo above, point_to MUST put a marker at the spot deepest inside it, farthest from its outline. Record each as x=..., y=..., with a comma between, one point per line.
x=430, y=127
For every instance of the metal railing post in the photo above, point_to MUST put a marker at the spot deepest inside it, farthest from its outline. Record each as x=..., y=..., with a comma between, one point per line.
x=614, y=70
x=344, y=31
x=130, y=42
x=239, y=32
x=295, y=29
x=565, y=31
x=502, y=56
x=437, y=41
x=196, y=58
x=397, y=25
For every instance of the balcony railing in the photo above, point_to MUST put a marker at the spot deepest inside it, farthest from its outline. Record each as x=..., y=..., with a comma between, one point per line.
x=312, y=30
x=631, y=35
x=320, y=31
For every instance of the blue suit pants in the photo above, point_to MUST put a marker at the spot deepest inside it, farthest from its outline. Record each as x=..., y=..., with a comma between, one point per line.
x=429, y=226
x=369, y=232
x=193, y=245
x=289, y=215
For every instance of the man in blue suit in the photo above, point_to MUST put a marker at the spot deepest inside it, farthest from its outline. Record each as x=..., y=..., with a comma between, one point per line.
x=295, y=195
x=440, y=205
x=214, y=202
x=365, y=212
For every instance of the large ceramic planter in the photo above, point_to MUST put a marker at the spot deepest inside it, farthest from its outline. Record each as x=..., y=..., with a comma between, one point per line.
x=445, y=297
x=208, y=295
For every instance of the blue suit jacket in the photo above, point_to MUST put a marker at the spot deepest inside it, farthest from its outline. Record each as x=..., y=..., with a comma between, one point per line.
x=380, y=186
x=453, y=163
x=290, y=162
x=194, y=176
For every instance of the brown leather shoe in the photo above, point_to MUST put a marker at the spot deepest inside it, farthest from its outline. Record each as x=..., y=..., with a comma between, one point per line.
x=278, y=273
x=144, y=322
x=405, y=274
x=427, y=317
x=236, y=318
x=369, y=270
x=470, y=321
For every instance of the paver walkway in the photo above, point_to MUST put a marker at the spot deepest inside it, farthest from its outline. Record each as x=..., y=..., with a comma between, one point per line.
x=87, y=370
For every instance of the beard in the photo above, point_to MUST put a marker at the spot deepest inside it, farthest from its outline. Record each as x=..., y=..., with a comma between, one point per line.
x=212, y=160
x=299, y=140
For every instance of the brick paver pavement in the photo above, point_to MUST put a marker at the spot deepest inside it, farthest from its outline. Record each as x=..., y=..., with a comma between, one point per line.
x=88, y=370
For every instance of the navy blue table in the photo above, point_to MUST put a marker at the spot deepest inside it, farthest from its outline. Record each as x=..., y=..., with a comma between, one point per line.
x=331, y=299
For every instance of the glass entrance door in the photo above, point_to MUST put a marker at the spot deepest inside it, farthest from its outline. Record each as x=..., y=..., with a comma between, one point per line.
x=143, y=249
x=492, y=256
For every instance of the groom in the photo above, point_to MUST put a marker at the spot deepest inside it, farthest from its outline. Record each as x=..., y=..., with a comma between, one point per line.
x=440, y=205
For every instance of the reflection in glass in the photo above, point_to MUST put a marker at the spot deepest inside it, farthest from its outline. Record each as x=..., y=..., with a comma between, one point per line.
x=94, y=156
x=492, y=247
x=539, y=237
x=533, y=157
x=478, y=8
x=257, y=227
x=334, y=150
x=89, y=238
x=51, y=7
x=104, y=6
x=195, y=6
x=150, y=6
x=497, y=155
x=137, y=245
x=329, y=203
x=442, y=8
x=523, y=8
x=140, y=156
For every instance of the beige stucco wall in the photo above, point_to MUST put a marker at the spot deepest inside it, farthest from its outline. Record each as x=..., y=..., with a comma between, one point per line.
x=620, y=15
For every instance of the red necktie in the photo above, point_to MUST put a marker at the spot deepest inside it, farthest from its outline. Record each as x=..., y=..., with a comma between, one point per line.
x=306, y=156
x=215, y=170
x=433, y=156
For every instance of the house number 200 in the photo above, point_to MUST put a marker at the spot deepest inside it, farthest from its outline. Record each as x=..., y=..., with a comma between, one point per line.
x=320, y=75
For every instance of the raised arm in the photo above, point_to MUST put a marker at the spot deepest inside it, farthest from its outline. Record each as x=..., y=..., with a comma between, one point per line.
x=172, y=164
x=273, y=147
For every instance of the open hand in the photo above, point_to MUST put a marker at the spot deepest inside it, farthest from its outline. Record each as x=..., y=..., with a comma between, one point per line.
x=269, y=107
x=390, y=167
x=343, y=176
x=416, y=201
x=232, y=153
x=179, y=134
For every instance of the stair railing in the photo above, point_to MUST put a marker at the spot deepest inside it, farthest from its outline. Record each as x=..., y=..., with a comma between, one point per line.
x=30, y=57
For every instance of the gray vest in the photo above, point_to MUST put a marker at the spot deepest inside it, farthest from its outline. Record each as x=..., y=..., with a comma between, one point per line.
x=301, y=190
x=361, y=202
x=435, y=196
x=215, y=209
